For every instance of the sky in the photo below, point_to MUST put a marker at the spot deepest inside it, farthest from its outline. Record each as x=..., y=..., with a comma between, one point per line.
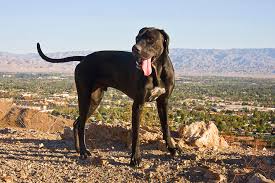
x=70, y=25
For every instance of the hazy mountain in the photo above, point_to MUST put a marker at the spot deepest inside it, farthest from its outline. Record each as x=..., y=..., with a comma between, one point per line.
x=237, y=62
x=233, y=62
x=32, y=62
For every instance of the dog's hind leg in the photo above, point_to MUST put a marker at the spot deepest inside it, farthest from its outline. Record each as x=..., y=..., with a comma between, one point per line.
x=76, y=137
x=88, y=102
x=95, y=100
x=162, y=105
x=84, y=98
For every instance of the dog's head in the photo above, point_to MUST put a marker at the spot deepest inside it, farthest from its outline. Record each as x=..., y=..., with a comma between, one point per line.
x=151, y=43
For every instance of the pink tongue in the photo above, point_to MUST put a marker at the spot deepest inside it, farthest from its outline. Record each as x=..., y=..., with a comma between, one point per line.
x=146, y=67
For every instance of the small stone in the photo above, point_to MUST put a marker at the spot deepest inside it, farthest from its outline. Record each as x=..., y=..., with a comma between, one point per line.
x=146, y=166
x=222, y=178
x=23, y=175
x=162, y=145
x=198, y=157
x=100, y=161
x=151, y=174
x=215, y=148
x=122, y=159
x=184, y=162
x=8, y=179
x=41, y=145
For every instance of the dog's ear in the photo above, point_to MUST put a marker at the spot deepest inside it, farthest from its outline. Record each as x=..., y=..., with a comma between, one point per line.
x=166, y=40
x=143, y=30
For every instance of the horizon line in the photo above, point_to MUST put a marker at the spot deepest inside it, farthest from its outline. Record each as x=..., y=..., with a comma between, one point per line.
x=236, y=48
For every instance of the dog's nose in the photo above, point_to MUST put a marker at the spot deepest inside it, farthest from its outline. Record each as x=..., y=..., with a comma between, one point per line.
x=136, y=49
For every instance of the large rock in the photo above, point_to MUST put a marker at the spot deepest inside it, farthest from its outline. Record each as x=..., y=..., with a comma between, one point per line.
x=201, y=134
x=33, y=119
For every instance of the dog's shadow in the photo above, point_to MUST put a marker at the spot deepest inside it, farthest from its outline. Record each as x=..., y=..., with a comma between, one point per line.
x=41, y=150
x=57, y=151
x=63, y=151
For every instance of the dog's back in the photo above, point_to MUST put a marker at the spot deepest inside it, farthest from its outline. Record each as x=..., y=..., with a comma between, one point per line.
x=111, y=69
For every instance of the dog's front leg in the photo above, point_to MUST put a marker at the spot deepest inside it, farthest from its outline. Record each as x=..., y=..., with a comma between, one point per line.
x=162, y=105
x=136, y=112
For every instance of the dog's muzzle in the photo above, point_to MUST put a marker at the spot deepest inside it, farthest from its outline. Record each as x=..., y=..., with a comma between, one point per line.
x=138, y=65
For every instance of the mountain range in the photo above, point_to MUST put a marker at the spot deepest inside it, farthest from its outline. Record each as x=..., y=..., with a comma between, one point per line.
x=221, y=62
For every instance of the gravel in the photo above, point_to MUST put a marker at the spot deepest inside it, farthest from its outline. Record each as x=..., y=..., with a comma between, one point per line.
x=33, y=156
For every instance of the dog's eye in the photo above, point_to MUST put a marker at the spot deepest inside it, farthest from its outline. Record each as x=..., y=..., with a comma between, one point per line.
x=150, y=40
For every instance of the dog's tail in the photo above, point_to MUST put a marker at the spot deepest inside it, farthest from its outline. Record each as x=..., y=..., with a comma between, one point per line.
x=60, y=60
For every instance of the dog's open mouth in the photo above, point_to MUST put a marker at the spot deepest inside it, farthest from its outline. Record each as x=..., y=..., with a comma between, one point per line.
x=145, y=65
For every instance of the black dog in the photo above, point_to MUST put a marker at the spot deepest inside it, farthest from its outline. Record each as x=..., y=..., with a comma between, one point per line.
x=118, y=69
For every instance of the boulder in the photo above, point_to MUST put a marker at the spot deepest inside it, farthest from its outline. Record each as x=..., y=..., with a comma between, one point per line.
x=201, y=134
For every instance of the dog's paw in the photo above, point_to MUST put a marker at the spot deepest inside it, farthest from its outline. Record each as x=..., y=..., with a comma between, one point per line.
x=135, y=161
x=173, y=151
x=77, y=148
x=84, y=154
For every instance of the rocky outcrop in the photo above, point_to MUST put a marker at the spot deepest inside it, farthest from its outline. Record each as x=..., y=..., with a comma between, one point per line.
x=32, y=119
x=201, y=134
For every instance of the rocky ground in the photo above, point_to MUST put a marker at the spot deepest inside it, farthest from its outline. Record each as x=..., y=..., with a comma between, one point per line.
x=38, y=147
x=28, y=155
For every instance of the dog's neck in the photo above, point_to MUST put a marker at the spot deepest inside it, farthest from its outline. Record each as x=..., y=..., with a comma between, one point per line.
x=159, y=63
